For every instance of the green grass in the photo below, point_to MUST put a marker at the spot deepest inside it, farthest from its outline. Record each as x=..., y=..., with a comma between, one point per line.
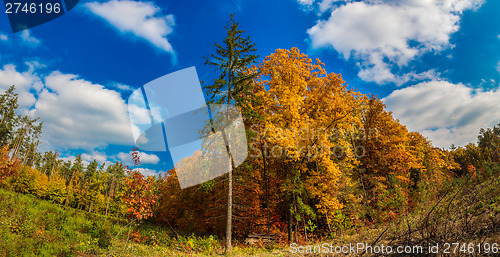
x=33, y=227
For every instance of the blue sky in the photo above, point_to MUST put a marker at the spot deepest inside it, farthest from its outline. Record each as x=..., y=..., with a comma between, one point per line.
x=436, y=64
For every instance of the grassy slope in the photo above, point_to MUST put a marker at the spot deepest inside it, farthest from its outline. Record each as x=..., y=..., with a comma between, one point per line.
x=34, y=227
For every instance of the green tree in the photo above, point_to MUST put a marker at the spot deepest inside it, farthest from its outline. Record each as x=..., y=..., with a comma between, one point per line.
x=86, y=182
x=75, y=172
x=116, y=174
x=8, y=117
x=489, y=141
x=231, y=61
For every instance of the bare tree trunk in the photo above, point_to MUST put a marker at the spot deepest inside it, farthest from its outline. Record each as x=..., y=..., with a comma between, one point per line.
x=229, y=220
x=229, y=217
x=110, y=194
x=305, y=229
x=296, y=223
x=290, y=221
x=26, y=157
x=69, y=189
x=328, y=222
x=82, y=205
x=19, y=144
x=267, y=192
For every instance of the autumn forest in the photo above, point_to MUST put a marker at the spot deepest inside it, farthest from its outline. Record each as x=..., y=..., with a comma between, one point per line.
x=324, y=161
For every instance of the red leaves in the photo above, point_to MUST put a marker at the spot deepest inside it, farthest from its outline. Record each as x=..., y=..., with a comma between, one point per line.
x=471, y=169
x=7, y=166
x=140, y=196
x=136, y=157
x=137, y=237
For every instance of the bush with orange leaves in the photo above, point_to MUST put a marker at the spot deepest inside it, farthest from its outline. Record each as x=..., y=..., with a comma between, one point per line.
x=7, y=166
x=140, y=195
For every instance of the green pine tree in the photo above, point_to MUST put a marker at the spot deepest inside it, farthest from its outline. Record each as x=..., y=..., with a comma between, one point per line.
x=231, y=61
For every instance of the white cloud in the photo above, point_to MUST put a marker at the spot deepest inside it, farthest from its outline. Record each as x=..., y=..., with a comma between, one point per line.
x=142, y=19
x=126, y=158
x=72, y=159
x=29, y=39
x=24, y=82
x=306, y=2
x=148, y=172
x=99, y=157
x=68, y=158
x=498, y=66
x=80, y=114
x=77, y=114
x=122, y=87
x=24, y=39
x=382, y=35
x=89, y=157
x=444, y=112
x=323, y=5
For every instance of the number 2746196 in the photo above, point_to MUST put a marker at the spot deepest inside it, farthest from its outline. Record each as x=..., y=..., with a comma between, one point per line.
x=33, y=8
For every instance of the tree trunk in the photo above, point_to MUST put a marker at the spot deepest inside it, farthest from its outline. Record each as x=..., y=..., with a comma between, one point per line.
x=110, y=194
x=328, y=222
x=19, y=144
x=290, y=221
x=296, y=223
x=82, y=205
x=266, y=177
x=26, y=157
x=229, y=218
x=69, y=189
x=305, y=229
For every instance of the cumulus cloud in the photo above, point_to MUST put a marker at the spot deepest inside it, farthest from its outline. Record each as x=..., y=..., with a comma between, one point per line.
x=98, y=156
x=72, y=159
x=444, y=112
x=87, y=158
x=126, y=158
x=383, y=35
x=142, y=19
x=148, y=172
x=77, y=114
x=25, y=83
x=80, y=114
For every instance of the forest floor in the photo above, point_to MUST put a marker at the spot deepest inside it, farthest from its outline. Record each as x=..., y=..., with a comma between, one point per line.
x=463, y=221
